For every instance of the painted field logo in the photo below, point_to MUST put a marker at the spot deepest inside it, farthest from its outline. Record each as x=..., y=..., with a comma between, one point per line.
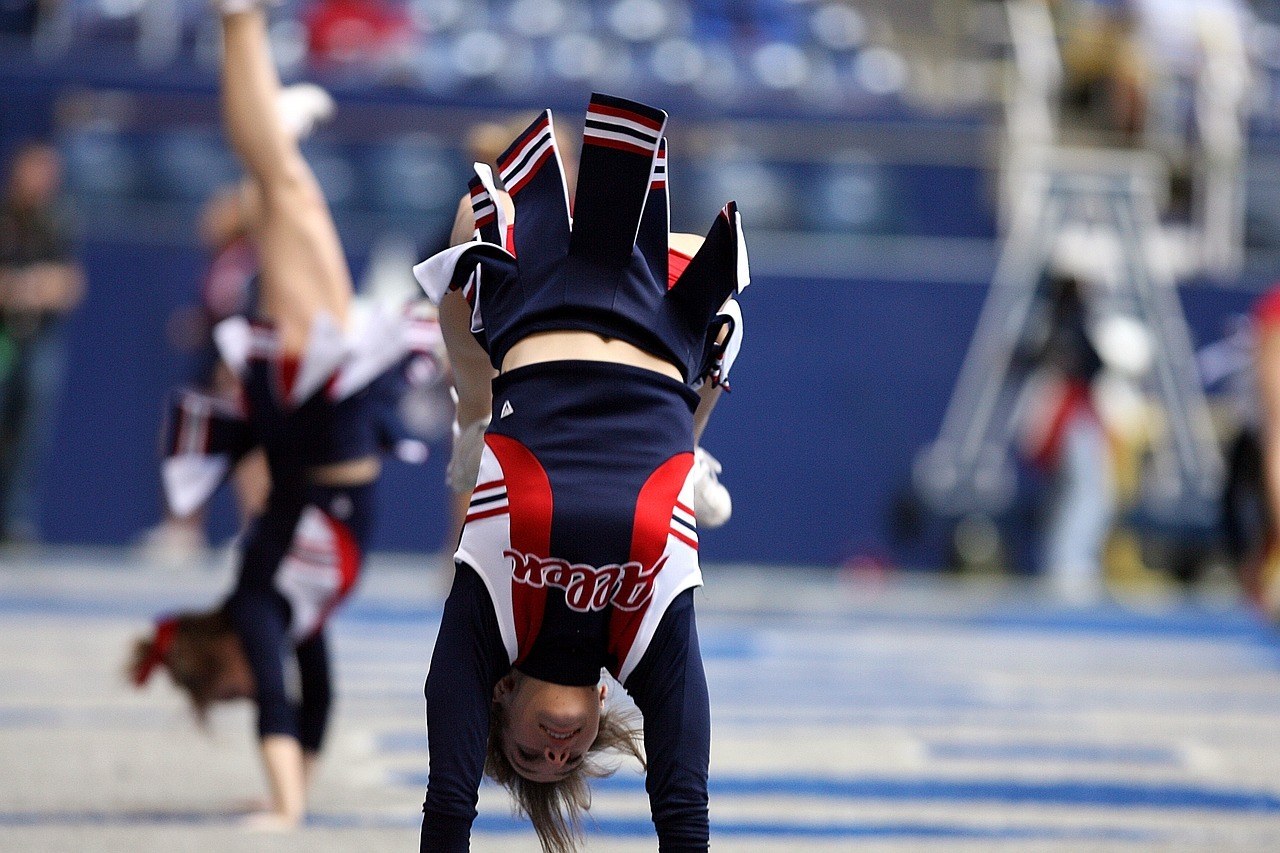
x=627, y=587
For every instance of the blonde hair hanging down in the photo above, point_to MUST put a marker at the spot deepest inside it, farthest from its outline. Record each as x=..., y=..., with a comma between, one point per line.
x=556, y=809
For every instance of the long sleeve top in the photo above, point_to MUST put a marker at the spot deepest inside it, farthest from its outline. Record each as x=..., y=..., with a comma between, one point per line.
x=668, y=685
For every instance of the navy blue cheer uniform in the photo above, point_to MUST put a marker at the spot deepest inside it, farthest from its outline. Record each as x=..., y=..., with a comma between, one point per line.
x=302, y=557
x=580, y=548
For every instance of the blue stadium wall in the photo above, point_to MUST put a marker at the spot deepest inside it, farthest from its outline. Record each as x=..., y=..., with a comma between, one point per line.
x=840, y=383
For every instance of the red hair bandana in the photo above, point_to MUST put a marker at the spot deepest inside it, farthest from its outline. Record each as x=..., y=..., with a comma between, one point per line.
x=166, y=630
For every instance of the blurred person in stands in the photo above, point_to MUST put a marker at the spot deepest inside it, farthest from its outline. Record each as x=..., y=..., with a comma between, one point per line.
x=41, y=282
x=1064, y=436
x=227, y=290
x=1105, y=72
x=1228, y=366
x=1176, y=39
x=1263, y=583
x=370, y=35
x=317, y=373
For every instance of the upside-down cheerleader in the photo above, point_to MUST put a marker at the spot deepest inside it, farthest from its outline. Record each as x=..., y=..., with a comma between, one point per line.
x=580, y=549
x=317, y=374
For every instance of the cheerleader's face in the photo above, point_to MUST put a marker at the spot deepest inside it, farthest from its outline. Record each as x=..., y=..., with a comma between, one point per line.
x=549, y=727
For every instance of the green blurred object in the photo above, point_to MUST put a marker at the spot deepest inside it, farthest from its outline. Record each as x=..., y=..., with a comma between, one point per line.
x=8, y=353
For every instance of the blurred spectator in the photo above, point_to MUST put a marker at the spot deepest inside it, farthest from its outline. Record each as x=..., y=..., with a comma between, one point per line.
x=1228, y=366
x=40, y=283
x=1263, y=584
x=1175, y=37
x=1064, y=436
x=1106, y=77
x=369, y=33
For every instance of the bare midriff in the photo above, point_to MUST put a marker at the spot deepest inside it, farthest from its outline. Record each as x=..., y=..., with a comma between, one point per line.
x=573, y=345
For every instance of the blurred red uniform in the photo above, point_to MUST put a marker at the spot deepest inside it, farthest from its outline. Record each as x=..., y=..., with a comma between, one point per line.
x=341, y=32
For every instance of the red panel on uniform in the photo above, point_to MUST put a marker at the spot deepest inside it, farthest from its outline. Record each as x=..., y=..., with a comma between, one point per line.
x=530, y=504
x=347, y=555
x=288, y=366
x=676, y=263
x=654, y=508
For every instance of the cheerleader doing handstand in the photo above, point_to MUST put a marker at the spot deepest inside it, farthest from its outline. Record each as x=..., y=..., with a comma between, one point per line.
x=580, y=550
x=314, y=372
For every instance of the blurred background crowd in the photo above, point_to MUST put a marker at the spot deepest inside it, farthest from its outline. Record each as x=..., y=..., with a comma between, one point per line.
x=1102, y=175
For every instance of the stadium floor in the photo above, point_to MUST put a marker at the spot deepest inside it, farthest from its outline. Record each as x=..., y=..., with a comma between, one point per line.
x=912, y=714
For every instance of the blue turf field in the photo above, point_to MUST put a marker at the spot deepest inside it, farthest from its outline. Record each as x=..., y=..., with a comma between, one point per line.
x=913, y=714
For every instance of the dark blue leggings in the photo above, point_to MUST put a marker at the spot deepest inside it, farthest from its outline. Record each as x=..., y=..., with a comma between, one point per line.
x=261, y=615
x=262, y=623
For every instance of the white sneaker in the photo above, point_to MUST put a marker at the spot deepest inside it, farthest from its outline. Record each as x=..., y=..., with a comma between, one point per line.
x=711, y=501
x=303, y=107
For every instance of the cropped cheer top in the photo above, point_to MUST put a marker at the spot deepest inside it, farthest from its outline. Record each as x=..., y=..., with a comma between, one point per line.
x=338, y=401
x=602, y=267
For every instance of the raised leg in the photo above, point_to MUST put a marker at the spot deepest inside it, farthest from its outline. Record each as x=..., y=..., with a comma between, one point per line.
x=304, y=271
